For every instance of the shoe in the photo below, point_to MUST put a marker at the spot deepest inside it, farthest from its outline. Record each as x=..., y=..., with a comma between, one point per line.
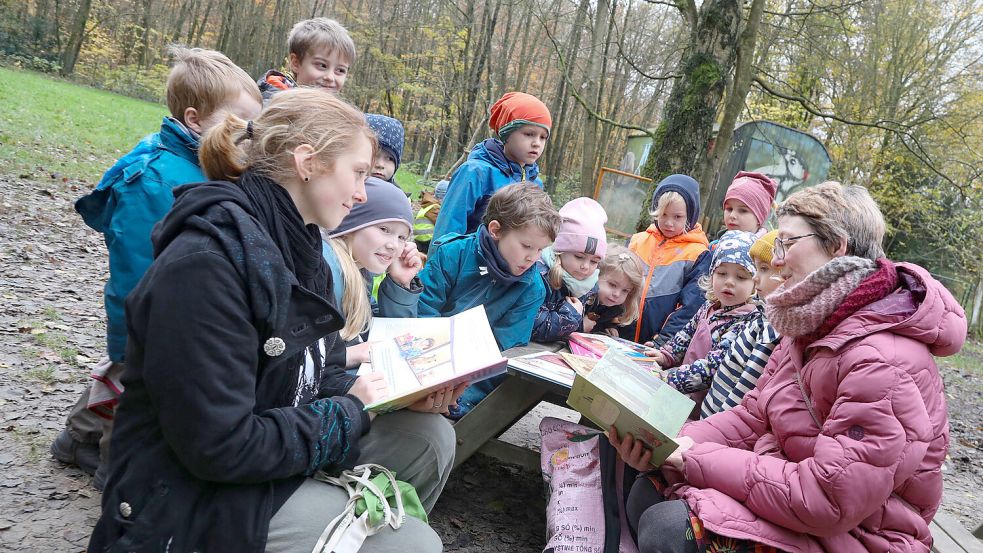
x=70, y=451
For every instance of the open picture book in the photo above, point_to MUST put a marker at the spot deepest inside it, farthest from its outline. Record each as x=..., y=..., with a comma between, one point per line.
x=419, y=356
x=619, y=392
x=596, y=345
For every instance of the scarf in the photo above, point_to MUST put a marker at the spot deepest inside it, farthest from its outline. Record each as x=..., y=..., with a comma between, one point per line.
x=812, y=308
x=577, y=288
x=299, y=244
x=497, y=266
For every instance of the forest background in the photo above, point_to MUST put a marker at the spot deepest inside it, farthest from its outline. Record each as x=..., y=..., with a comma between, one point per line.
x=893, y=88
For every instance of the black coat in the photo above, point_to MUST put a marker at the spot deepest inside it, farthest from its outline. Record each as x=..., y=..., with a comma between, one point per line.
x=218, y=425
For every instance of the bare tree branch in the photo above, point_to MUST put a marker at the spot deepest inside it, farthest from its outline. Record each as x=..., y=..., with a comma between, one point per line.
x=572, y=88
x=901, y=130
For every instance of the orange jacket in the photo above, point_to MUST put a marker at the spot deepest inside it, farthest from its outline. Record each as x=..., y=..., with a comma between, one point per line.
x=672, y=292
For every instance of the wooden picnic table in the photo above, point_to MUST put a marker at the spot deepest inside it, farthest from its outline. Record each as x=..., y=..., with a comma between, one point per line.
x=503, y=407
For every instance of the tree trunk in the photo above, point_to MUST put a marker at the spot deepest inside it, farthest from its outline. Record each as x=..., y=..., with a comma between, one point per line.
x=561, y=100
x=687, y=123
x=595, y=73
x=145, y=54
x=734, y=105
x=71, y=53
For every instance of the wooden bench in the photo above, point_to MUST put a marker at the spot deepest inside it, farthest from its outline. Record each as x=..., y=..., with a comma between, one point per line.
x=502, y=408
x=951, y=537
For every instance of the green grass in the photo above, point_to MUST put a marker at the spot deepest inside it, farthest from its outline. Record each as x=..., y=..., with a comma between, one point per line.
x=410, y=183
x=970, y=358
x=53, y=127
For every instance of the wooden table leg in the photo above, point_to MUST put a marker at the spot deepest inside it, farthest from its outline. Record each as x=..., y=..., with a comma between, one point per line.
x=495, y=414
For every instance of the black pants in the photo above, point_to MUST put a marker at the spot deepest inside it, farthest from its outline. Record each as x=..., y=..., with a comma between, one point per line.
x=660, y=525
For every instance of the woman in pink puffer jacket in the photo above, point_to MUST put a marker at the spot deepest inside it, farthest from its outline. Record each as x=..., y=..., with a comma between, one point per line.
x=840, y=446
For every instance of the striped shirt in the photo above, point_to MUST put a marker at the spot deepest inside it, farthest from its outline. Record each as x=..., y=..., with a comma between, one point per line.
x=738, y=372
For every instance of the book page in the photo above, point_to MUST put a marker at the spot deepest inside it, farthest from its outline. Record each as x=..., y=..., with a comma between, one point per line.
x=421, y=355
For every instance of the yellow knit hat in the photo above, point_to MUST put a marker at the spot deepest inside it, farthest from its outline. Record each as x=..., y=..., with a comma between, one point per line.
x=764, y=246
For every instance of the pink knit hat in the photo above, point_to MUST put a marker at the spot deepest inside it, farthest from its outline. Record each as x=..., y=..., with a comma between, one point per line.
x=757, y=191
x=582, y=229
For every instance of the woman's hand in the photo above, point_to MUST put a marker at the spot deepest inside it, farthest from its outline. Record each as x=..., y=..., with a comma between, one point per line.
x=370, y=388
x=612, y=332
x=406, y=265
x=439, y=401
x=676, y=459
x=357, y=354
x=633, y=452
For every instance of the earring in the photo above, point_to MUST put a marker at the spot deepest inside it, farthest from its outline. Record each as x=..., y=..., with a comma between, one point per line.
x=307, y=179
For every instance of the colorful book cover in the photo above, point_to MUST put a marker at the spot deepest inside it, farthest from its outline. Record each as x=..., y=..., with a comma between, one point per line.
x=596, y=345
x=419, y=356
x=619, y=392
x=545, y=364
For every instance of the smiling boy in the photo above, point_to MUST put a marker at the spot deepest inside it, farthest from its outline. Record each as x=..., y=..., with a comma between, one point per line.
x=321, y=54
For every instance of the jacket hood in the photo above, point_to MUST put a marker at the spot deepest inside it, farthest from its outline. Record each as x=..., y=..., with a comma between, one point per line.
x=193, y=200
x=693, y=236
x=490, y=151
x=921, y=309
x=687, y=187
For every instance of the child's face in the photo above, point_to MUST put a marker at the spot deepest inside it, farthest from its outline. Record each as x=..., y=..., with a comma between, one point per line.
x=579, y=265
x=520, y=247
x=738, y=216
x=613, y=288
x=320, y=67
x=732, y=284
x=766, y=278
x=244, y=105
x=672, y=221
x=385, y=165
x=375, y=247
x=328, y=197
x=526, y=144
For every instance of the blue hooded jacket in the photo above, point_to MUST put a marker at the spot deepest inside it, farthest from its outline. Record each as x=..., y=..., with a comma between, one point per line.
x=132, y=196
x=456, y=279
x=486, y=170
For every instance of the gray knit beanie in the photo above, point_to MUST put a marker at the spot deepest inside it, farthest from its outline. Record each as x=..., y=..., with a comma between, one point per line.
x=385, y=202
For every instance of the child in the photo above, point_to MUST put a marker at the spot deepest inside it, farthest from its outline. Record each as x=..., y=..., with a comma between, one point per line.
x=695, y=351
x=521, y=123
x=321, y=53
x=132, y=196
x=749, y=351
x=492, y=267
x=675, y=249
x=748, y=202
x=373, y=239
x=619, y=289
x=569, y=270
x=389, y=131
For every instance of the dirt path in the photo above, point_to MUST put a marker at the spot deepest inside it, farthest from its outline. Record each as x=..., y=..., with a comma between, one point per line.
x=52, y=269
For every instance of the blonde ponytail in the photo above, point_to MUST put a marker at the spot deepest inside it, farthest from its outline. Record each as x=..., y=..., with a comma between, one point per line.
x=355, y=301
x=555, y=274
x=220, y=156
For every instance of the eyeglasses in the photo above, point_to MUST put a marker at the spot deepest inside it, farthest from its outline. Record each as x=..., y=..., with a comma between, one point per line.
x=782, y=246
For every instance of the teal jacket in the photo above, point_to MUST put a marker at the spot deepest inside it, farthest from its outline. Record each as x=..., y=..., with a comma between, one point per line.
x=486, y=170
x=132, y=196
x=455, y=279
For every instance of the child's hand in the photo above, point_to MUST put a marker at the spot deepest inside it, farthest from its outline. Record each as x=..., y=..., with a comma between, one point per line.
x=576, y=304
x=633, y=452
x=357, y=354
x=658, y=356
x=612, y=332
x=676, y=458
x=589, y=324
x=406, y=266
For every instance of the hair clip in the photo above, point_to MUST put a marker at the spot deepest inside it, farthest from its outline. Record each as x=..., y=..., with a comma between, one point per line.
x=249, y=129
x=623, y=257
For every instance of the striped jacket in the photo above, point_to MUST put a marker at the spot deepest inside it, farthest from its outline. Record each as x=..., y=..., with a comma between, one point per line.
x=738, y=372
